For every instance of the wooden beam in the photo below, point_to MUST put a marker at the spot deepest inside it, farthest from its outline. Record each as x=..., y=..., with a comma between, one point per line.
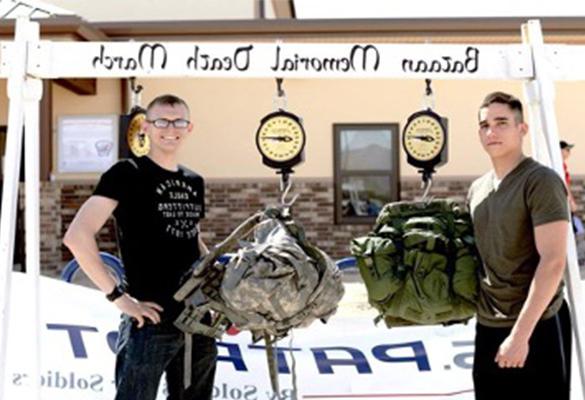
x=85, y=86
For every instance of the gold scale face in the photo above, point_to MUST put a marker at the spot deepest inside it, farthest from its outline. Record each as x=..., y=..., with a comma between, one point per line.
x=424, y=137
x=280, y=138
x=138, y=143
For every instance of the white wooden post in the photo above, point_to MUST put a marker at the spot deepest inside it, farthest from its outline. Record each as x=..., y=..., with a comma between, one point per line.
x=541, y=92
x=10, y=189
x=33, y=89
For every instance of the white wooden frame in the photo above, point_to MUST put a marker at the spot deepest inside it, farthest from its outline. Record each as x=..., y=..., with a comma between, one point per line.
x=27, y=60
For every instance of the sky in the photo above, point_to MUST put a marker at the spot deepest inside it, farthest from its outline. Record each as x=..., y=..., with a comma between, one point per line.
x=436, y=8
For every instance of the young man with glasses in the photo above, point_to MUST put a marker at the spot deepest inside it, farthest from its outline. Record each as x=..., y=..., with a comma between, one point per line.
x=157, y=204
x=520, y=217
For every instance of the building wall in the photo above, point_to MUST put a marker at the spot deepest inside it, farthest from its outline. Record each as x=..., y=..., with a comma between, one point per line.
x=51, y=233
x=226, y=113
x=229, y=202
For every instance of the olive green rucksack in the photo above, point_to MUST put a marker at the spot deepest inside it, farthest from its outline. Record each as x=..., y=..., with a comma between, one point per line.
x=420, y=263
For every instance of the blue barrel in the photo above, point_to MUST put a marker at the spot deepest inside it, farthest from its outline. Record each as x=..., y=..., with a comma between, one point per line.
x=113, y=263
x=346, y=263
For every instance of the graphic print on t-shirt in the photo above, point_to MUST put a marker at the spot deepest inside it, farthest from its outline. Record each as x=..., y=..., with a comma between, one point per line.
x=179, y=208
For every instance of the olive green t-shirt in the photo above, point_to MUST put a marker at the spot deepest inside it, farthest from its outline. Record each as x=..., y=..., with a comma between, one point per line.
x=504, y=217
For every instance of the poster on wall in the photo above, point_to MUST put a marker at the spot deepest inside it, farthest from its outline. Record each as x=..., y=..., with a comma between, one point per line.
x=87, y=143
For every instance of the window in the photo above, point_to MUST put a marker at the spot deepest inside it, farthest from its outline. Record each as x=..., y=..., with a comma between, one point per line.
x=366, y=170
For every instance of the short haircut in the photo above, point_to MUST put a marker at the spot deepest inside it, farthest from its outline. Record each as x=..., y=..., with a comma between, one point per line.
x=505, y=98
x=167, y=100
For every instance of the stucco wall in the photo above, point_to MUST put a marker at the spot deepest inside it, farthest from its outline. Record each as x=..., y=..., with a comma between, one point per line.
x=227, y=112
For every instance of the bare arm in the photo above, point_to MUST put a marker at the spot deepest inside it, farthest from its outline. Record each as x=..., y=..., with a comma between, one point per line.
x=80, y=239
x=551, y=243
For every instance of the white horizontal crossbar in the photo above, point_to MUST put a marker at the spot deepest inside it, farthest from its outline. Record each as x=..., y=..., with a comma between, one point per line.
x=567, y=61
x=255, y=60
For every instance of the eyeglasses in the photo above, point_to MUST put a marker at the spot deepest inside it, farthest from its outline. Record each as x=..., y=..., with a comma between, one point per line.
x=163, y=123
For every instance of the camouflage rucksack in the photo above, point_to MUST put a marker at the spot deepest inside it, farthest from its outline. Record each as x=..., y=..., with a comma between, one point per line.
x=420, y=264
x=277, y=282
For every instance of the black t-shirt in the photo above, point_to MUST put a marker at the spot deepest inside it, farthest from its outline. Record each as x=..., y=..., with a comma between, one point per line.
x=157, y=215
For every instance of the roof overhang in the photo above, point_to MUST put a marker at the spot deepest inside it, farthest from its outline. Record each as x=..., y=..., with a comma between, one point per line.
x=76, y=28
x=279, y=28
x=72, y=27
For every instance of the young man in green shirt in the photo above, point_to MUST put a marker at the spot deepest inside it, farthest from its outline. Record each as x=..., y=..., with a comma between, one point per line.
x=520, y=216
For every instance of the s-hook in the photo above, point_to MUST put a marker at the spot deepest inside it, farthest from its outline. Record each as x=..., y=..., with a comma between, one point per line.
x=285, y=187
x=136, y=97
x=429, y=96
x=427, y=182
x=280, y=96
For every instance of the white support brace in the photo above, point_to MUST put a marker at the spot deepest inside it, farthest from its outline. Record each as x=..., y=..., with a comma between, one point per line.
x=17, y=72
x=33, y=89
x=25, y=94
x=541, y=98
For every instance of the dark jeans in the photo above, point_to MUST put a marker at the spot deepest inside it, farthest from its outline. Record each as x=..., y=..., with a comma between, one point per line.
x=546, y=373
x=144, y=354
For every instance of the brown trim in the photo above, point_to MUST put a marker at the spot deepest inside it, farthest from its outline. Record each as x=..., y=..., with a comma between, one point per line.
x=288, y=27
x=46, y=130
x=346, y=27
x=283, y=27
x=81, y=86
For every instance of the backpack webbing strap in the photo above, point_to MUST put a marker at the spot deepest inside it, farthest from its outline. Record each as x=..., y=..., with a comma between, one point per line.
x=203, y=268
x=187, y=360
x=271, y=358
x=293, y=367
